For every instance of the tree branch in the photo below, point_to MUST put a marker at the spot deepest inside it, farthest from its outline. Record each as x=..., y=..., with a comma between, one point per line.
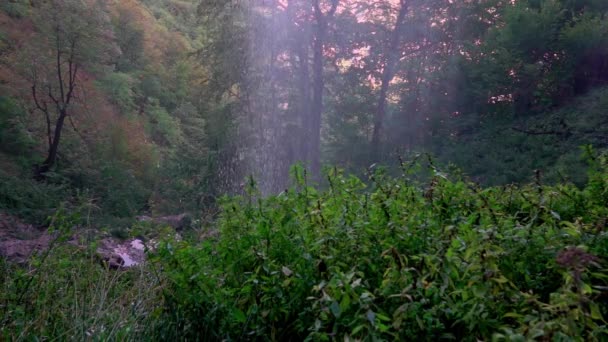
x=44, y=109
x=76, y=129
x=72, y=84
x=334, y=7
x=52, y=96
x=537, y=132
x=72, y=72
x=59, y=73
x=317, y=8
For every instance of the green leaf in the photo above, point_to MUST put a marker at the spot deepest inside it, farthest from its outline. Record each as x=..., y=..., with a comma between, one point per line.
x=383, y=317
x=512, y=315
x=586, y=288
x=335, y=309
x=501, y=280
x=345, y=302
x=371, y=317
x=595, y=311
x=239, y=316
x=357, y=329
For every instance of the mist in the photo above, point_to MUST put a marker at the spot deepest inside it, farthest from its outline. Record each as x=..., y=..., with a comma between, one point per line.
x=304, y=170
x=357, y=83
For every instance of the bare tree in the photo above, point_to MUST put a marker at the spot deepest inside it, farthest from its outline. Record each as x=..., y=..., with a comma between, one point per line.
x=71, y=35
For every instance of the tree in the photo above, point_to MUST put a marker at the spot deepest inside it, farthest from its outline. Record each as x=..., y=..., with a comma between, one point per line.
x=72, y=36
x=130, y=38
x=321, y=23
x=391, y=57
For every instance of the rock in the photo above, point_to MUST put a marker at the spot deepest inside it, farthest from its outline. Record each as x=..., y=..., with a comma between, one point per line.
x=20, y=250
x=178, y=222
x=19, y=241
x=118, y=255
x=113, y=261
x=144, y=218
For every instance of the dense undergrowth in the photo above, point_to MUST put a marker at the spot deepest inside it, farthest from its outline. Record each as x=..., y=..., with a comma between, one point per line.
x=392, y=258
x=507, y=149
x=398, y=260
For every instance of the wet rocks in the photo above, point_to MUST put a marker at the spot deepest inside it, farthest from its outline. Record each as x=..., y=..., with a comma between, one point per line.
x=121, y=254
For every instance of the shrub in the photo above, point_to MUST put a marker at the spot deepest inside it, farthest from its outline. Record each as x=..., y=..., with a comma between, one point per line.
x=119, y=86
x=392, y=260
x=13, y=139
x=29, y=199
x=15, y=8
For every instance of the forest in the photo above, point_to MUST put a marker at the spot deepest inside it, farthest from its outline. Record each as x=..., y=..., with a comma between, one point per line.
x=316, y=170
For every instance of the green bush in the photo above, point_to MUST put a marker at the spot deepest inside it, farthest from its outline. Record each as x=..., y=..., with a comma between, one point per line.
x=15, y=8
x=119, y=87
x=29, y=199
x=164, y=129
x=122, y=193
x=13, y=137
x=395, y=260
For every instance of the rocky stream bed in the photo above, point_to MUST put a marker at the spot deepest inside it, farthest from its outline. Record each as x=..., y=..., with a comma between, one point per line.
x=19, y=241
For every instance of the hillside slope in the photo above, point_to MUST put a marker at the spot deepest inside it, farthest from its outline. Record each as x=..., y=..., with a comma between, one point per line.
x=135, y=115
x=507, y=150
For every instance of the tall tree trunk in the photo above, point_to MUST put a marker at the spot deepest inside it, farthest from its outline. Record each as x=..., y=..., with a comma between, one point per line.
x=53, y=147
x=318, y=84
x=297, y=135
x=317, y=99
x=304, y=111
x=392, y=54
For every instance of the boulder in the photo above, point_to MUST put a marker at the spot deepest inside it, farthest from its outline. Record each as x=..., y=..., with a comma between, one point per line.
x=121, y=254
x=178, y=222
x=19, y=241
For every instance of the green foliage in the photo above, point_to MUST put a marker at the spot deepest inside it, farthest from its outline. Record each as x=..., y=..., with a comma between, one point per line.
x=151, y=81
x=187, y=174
x=29, y=199
x=13, y=137
x=176, y=15
x=15, y=8
x=396, y=259
x=130, y=39
x=545, y=52
x=164, y=128
x=122, y=194
x=151, y=86
x=119, y=87
x=350, y=124
x=503, y=150
x=73, y=28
